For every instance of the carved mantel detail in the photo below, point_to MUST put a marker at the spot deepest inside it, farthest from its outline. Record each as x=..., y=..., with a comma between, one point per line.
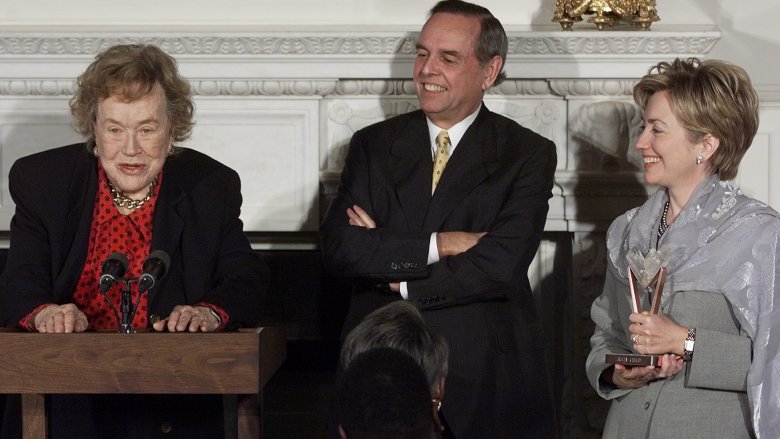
x=346, y=43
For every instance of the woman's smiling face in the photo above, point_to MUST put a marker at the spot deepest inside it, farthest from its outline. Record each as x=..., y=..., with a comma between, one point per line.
x=668, y=154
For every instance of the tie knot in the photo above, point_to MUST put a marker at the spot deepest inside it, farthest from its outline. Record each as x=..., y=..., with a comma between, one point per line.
x=443, y=139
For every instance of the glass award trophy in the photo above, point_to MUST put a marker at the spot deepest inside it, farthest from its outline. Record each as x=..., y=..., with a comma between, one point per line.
x=636, y=306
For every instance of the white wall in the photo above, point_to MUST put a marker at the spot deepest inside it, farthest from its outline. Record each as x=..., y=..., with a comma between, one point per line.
x=305, y=12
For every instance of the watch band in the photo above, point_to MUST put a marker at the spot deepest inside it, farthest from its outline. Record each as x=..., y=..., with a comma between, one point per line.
x=688, y=344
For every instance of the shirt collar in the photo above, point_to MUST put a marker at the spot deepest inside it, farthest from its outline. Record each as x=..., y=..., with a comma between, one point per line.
x=455, y=132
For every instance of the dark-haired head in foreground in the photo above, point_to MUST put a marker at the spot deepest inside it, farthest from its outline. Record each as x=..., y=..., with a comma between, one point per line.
x=384, y=394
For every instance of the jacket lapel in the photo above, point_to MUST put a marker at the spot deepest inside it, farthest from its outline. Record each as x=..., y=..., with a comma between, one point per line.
x=411, y=169
x=168, y=222
x=77, y=224
x=474, y=159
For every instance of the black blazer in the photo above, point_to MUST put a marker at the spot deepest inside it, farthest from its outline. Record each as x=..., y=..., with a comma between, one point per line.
x=195, y=221
x=498, y=180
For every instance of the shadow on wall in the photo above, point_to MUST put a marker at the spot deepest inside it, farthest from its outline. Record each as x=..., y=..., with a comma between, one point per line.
x=603, y=135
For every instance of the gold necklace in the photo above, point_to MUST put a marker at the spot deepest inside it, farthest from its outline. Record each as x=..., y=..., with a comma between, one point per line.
x=123, y=200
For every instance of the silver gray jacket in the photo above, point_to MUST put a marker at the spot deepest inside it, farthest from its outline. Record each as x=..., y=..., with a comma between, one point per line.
x=723, y=276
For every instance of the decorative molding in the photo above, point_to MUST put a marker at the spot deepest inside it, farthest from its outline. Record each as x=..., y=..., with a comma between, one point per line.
x=348, y=54
x=592, y=87
x=376, y=87
x=529, y=87
x=221, y=87
x=613, y=43
x=271, y=87
x=261, y=88
x=49, y=87
x=350, y=43
x=238, y=45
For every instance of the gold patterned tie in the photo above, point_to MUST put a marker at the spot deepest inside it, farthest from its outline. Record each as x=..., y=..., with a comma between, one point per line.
x=440, y=161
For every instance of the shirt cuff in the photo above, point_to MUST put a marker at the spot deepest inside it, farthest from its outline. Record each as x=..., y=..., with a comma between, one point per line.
x=28, y=323
x=433, y=250
x=222, y=316
x=404, y=291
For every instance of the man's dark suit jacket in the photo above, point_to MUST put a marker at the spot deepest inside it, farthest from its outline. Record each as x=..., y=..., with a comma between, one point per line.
x=498, y=180
x=195, y=221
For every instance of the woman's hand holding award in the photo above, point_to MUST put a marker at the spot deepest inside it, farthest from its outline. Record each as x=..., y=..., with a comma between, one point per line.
x=651, y=274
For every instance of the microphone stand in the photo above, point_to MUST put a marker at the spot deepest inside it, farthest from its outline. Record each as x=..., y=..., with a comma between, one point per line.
x=126, y=312
x=126, y=308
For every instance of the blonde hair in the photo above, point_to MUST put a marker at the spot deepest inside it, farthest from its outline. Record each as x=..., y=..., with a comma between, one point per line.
x=709, y=97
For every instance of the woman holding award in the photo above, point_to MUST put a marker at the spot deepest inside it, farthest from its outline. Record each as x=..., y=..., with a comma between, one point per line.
x=717, y=371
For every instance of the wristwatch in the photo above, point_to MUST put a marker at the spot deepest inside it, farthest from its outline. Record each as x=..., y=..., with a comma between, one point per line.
x=688, y=344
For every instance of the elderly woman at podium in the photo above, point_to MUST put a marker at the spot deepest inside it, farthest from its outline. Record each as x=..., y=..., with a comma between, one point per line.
x=127, y=192
x=127, y=231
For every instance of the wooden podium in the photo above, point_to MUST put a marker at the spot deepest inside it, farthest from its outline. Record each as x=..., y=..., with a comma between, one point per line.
x=226, y=363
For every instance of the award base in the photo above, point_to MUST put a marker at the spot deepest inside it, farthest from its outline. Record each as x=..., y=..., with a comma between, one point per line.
x=633, y=359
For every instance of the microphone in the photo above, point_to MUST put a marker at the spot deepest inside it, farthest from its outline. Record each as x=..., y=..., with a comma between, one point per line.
x=113, y=268
x=154, y=269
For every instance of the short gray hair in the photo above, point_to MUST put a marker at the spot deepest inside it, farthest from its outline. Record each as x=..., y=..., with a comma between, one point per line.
x=399, y=325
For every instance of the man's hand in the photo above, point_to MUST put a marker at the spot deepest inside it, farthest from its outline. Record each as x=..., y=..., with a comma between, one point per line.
x=359, y=217
x=188, y=318
x=60, y=319
x=455, y=243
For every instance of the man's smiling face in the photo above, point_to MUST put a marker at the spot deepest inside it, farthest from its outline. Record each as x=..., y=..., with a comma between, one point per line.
x=448, y=78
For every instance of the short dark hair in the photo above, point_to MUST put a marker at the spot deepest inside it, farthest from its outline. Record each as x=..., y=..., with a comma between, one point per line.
x=708, y=97
x=130, y=71
x=492, y=40
x=383, y=394
x=399, y=325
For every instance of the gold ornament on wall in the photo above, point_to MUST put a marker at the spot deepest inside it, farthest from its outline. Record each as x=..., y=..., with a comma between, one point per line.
x=605, y=13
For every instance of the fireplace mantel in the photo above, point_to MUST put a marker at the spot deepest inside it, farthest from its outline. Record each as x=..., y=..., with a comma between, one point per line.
x=293, y=98
x=339, y=54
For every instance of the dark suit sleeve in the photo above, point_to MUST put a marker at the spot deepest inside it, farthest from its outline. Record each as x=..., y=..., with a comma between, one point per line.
x=494, y=267
x=378, y=255
x=26, y=282
x=240, y=280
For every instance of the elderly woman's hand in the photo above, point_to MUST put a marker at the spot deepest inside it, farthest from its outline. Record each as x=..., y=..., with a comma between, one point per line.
x=60, y=319
x=188, y=318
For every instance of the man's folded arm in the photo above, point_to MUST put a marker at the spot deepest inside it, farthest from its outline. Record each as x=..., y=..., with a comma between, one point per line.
x=381, y=254
x=488, y=270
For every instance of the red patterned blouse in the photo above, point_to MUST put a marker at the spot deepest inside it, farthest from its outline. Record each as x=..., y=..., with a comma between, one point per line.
x=110, y=232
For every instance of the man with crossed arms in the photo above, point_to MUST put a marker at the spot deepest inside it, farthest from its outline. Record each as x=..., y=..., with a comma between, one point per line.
x=457, y=243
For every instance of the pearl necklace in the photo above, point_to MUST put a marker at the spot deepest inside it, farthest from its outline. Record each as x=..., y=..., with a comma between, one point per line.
x=122, y=200
x=662, y=226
